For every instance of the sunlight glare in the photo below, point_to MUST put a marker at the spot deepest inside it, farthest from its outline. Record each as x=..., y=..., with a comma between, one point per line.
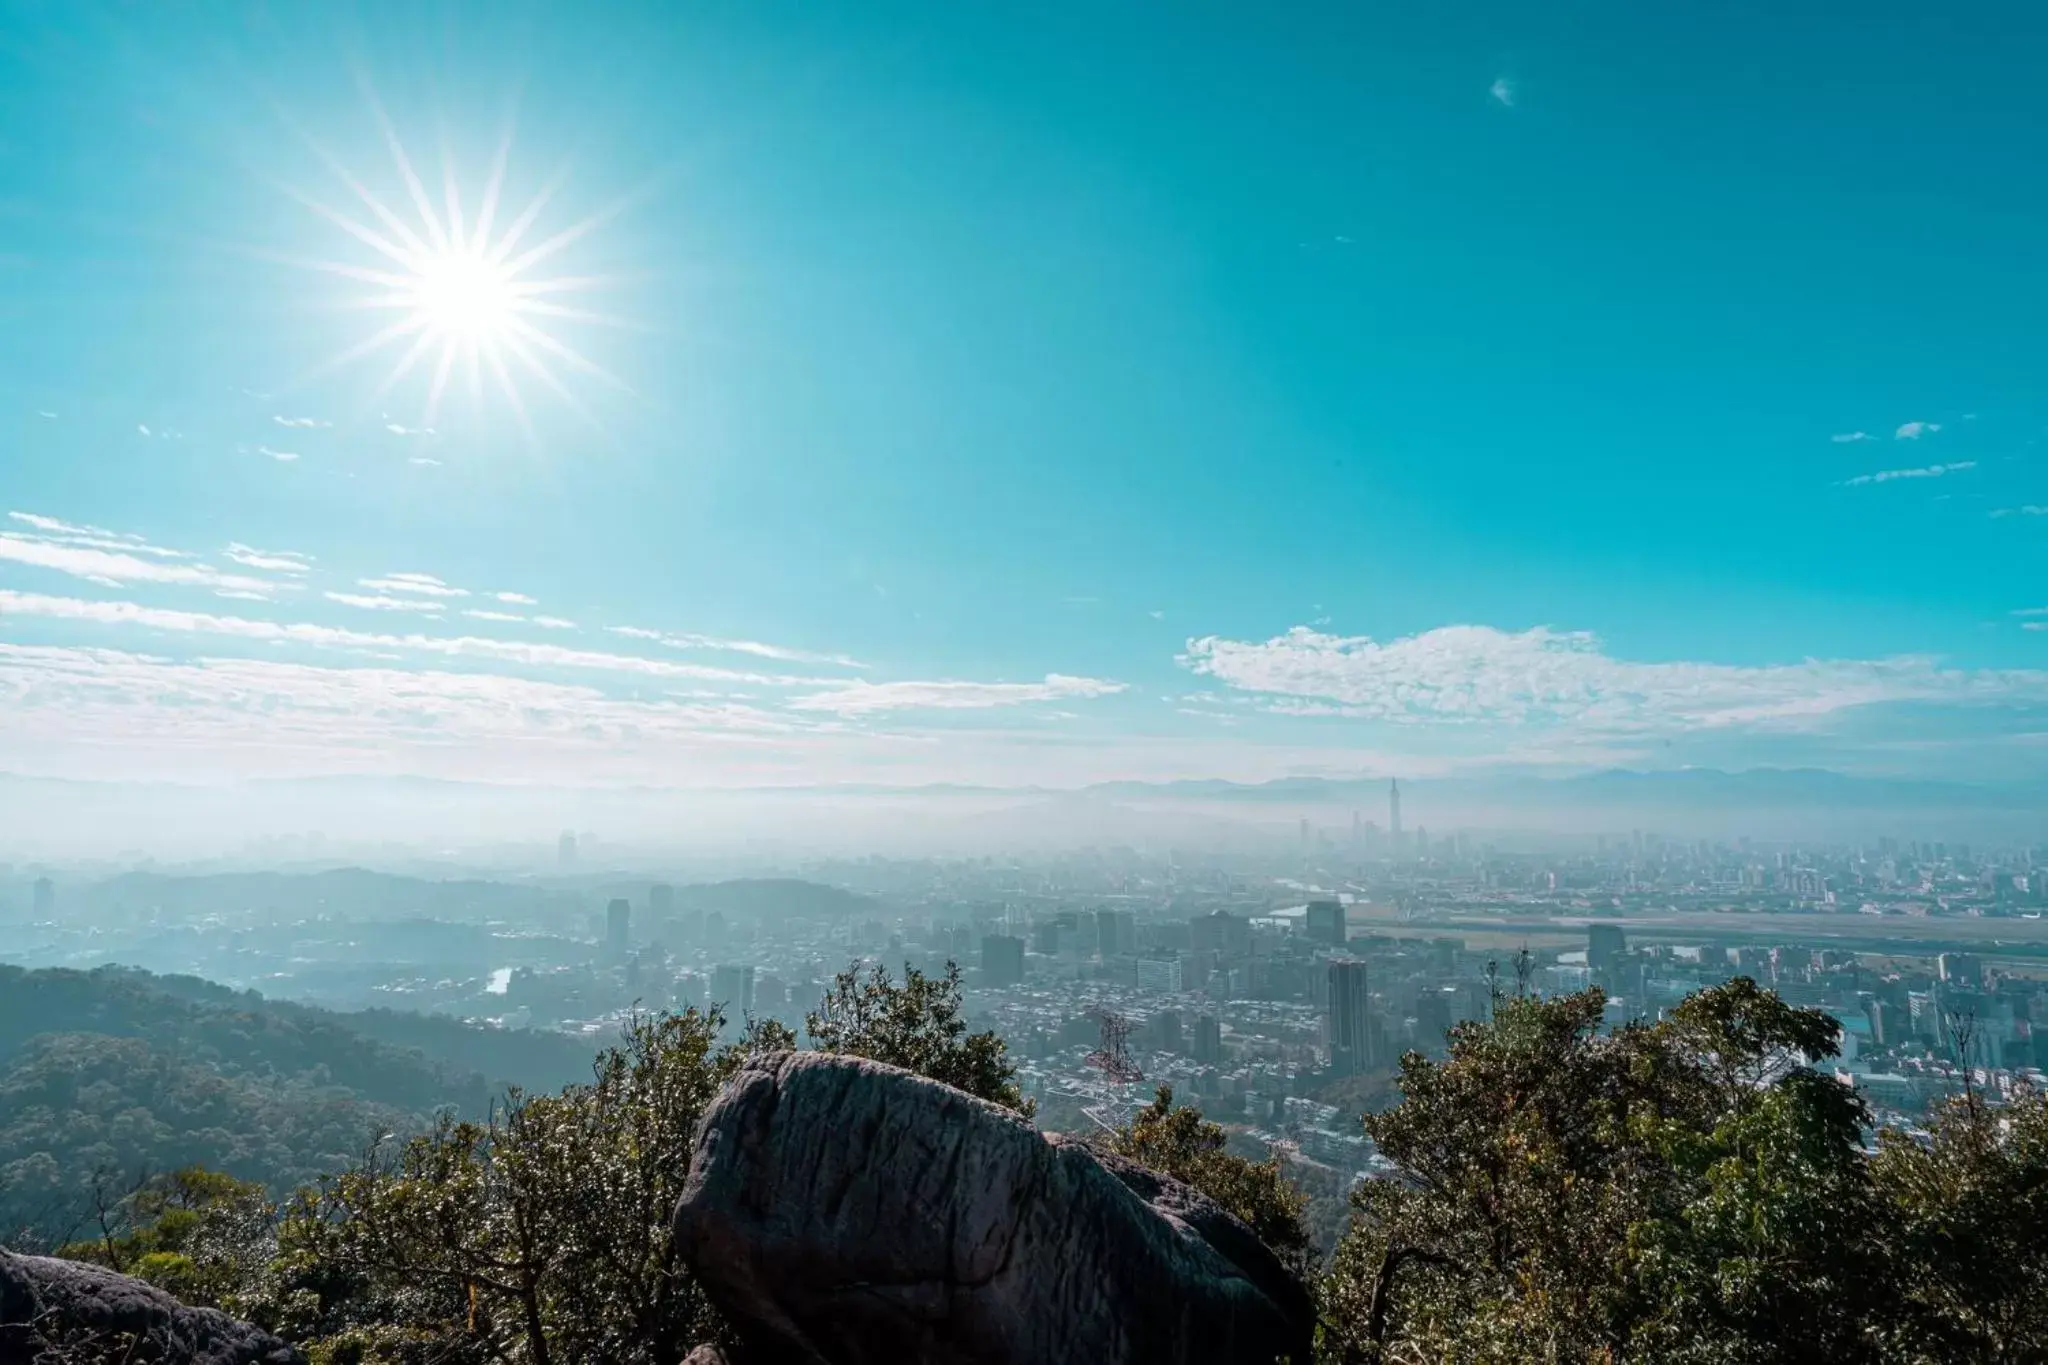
x=465, y=297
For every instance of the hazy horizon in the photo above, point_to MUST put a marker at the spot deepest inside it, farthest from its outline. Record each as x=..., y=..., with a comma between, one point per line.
x=381, y=822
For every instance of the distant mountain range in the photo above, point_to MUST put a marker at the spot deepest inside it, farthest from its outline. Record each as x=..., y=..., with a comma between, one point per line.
x=450, y=829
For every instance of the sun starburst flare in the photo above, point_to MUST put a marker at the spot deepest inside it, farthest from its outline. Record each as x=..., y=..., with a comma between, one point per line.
x=466, y=299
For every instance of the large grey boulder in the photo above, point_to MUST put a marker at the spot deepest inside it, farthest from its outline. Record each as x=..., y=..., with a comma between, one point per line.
x=842, y=1212
x=66, y=1311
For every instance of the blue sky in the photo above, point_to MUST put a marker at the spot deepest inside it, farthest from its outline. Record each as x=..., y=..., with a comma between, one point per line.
x=982, y=394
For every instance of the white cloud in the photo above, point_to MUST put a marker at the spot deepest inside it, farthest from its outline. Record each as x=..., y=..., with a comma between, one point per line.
x=1933, y=471
x=1844, y=438
x=2029, y=510
x=1156, y=615
x=534, y=655
x=492, y=616
x=92, y=537
x=55, y=527
x=517, y=599
x=1502, y=92
x=46, y=413
x=281, y=456
x=1913, y=431
x=117, y=567
x=864, y=698
x=423, y=460
x=141, y=428
x=213, y=709
x=2031, y=611
x=381, y=603
x=553, y=623
x=397, y=429
x=1480, y=675
x=421, y=584
x=781, y=653
x=300, y=422
x=275, y=561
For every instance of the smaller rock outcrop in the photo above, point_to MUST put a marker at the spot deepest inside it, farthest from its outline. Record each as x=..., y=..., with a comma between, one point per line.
x=842, y=1212
x=66, y=1311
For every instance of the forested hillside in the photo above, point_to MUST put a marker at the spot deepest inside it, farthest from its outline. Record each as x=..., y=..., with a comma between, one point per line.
x=113, y=1071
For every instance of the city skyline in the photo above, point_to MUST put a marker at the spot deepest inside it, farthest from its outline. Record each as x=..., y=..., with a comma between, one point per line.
x=748, y=403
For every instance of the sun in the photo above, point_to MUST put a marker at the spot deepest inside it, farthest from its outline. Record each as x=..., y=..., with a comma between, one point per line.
x=467, y=296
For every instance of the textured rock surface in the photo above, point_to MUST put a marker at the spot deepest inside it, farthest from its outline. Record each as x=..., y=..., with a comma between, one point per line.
x=64, y=1311
x=840, y=1212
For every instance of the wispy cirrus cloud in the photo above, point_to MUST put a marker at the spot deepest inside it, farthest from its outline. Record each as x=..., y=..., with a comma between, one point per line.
x=420, y=584
x=759, y=650
x=1502, y=92
x=116, y=568
x=315, y=636
x=502, y=616
x=380, y=602
x=275, y=561
x=91, y=537
x=329, y=717
x=281, y=456
x=308, y=422
x=1466, y=674
x=2027, y=510
x=1849, y=437
x=1932, y=471
x=517, y=599
x=1913, y=431
x=866, y=698
x=552, y=622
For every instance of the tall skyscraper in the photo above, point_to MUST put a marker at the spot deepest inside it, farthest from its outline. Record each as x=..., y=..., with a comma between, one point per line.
x=1349, y=1022
x=1219, y=932
x=1325, y=922
x=732, y=988
x=1604, y=944
x=46, y=897
x=1394, y=807
x=1116, y=933
x=565, y=850
x=1208, y=1043
x=618, y=927
x=1002, y=960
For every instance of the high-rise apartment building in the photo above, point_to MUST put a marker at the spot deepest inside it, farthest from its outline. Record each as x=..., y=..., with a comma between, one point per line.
x=1002, y=960
x=1208, y=1040
x=1159, y=974
x=1116, y=933
x=732, y=989
x=1394, y=807
x=1219, y=932
x=618, y=927
x=1325, y=922
x=1604, y=944
x=565, y=850
x=1348, y=1024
